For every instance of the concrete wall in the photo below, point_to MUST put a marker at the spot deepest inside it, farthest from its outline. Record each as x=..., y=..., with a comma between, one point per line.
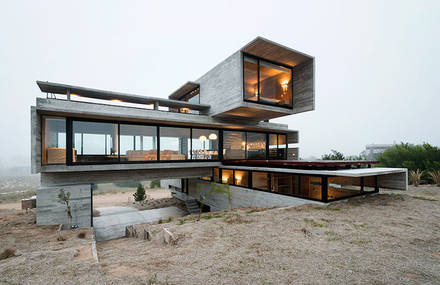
x=35, y=141
x=243, y=197
x=165, y=183
x=222, y=86
x=397, y=181
x=51, y=212
x=304, y=87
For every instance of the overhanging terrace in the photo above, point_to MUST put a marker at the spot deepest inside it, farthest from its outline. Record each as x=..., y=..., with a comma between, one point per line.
x=70, y=90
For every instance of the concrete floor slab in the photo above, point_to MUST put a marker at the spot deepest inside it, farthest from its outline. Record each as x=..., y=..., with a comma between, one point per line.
x=113, y=226
x=105, y=211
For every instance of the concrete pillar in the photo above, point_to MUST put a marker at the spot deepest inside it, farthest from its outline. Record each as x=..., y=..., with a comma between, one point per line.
x=51, y=212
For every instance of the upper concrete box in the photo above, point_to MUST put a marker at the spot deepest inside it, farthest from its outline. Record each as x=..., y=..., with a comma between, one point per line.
x=261, y=81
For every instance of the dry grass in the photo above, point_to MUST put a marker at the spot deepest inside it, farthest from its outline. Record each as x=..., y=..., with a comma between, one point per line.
x=435, y=175
x=415, y=177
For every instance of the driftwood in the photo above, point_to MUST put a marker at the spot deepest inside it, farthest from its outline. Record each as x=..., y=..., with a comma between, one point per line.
x=168, y=237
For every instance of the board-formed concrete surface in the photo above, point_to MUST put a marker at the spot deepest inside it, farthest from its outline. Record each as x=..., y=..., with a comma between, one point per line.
x=113, y=226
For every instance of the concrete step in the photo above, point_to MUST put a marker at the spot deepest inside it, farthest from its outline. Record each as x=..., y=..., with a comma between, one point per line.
x=192, y=206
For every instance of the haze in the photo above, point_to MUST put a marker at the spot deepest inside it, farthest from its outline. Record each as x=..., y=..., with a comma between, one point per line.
x=377, y=63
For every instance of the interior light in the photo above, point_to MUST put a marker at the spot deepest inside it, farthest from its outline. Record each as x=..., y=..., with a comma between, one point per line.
x=225, y=178
x=73, y=94
x=116, y=100
x=238, y=178
x=202, y=138
x=212, y=136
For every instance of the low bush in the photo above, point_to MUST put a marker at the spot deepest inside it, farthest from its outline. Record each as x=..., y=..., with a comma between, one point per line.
x=415, y=177
x=435, y=176
x=9, y=252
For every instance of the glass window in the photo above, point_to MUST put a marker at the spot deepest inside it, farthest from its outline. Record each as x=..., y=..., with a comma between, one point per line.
x=310, y=187
x=205, y=144
x=273, y=146
x=216, y=175
x=275, y=84
x=174, y=143
x=250, y=66
x=227, y=176
x=95, y=142
x=54, y=140
x=234, y=144
x=241, y=178
x=281, y=183
x=138, y=143
x=260, y=180
x=256, y=146
x=340, y=187
x=282, y=146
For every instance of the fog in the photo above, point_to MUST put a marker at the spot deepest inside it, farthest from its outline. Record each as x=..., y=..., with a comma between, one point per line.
x=377, y=62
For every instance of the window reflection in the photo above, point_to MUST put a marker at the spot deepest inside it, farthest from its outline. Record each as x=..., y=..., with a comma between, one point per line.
x=250, y=66
x=256, y=146
x=95, y=142
x=174, y=143
x=205, y=144
x=54, y=140
x=138, y=143
x=234, y=145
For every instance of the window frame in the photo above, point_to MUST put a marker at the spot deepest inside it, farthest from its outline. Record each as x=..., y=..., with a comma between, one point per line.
x=292, y=68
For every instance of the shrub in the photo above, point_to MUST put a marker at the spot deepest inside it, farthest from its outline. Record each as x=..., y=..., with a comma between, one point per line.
x=435, y=176
x=155, y=183
x=415, y=177
x=424, y=157
x=139, y=195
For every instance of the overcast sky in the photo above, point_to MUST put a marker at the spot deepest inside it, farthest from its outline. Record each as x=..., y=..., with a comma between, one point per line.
x=377, y=63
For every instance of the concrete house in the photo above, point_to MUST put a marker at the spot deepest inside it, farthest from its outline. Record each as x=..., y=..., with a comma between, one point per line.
x=213, y=129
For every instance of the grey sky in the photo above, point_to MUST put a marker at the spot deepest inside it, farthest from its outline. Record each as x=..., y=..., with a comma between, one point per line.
x=377, y=77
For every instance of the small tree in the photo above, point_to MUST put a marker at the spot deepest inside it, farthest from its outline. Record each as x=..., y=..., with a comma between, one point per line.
x=64, y=198
x=139, y=195
x=335, y=155
x=214, y=188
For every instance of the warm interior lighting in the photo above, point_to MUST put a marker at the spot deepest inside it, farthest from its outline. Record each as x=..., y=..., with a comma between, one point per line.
x=285, y=85
x=73, y=94
x=238, y=178
x=116, y=100
x=184, y=110
x=212, y=136
x=202, y=138
x=225, y=178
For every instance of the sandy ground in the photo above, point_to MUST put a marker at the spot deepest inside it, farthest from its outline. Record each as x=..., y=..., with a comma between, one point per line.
x=381, y=239
x=41, y=257
x=390, y=238
x=126, y=198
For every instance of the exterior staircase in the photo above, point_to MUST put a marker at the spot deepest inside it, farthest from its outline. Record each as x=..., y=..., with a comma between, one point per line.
x=192, y=206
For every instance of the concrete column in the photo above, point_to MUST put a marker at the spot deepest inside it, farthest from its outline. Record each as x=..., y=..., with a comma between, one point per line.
x=51, y=212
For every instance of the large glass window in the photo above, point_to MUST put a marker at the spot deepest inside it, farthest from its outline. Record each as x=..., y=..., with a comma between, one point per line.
x=281, y=183
x=138, y=143
x=310, y=187
x=95, y=142
x=205, y=144
x=234, y=145
x=174, y=143
x=54, y=140
x=256, y=146
x=340, y=187
x=266, y=82
x=241, y=178
x=227, y=176
x=250, y=66
x=277, y=146
x=216, y=175
x=260, y=180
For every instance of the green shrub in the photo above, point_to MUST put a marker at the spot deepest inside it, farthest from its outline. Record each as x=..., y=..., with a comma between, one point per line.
x=424, y=157
x=155, y=183
x=139, y=195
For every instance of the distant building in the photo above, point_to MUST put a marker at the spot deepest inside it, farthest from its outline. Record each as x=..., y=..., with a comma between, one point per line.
x=372, y=151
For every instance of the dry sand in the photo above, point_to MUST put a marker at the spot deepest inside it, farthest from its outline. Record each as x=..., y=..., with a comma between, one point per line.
x=126, y=198
x=382, y=239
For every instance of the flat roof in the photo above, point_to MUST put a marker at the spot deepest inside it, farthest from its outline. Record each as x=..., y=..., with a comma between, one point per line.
x=183, y=90
x=302, y=164
x=59, y=88
x=273, y=51
x=357, y=172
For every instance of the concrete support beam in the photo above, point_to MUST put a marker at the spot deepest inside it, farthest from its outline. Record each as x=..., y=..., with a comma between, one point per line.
x=62, y=178
x=35, y=141
x=397, y=181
